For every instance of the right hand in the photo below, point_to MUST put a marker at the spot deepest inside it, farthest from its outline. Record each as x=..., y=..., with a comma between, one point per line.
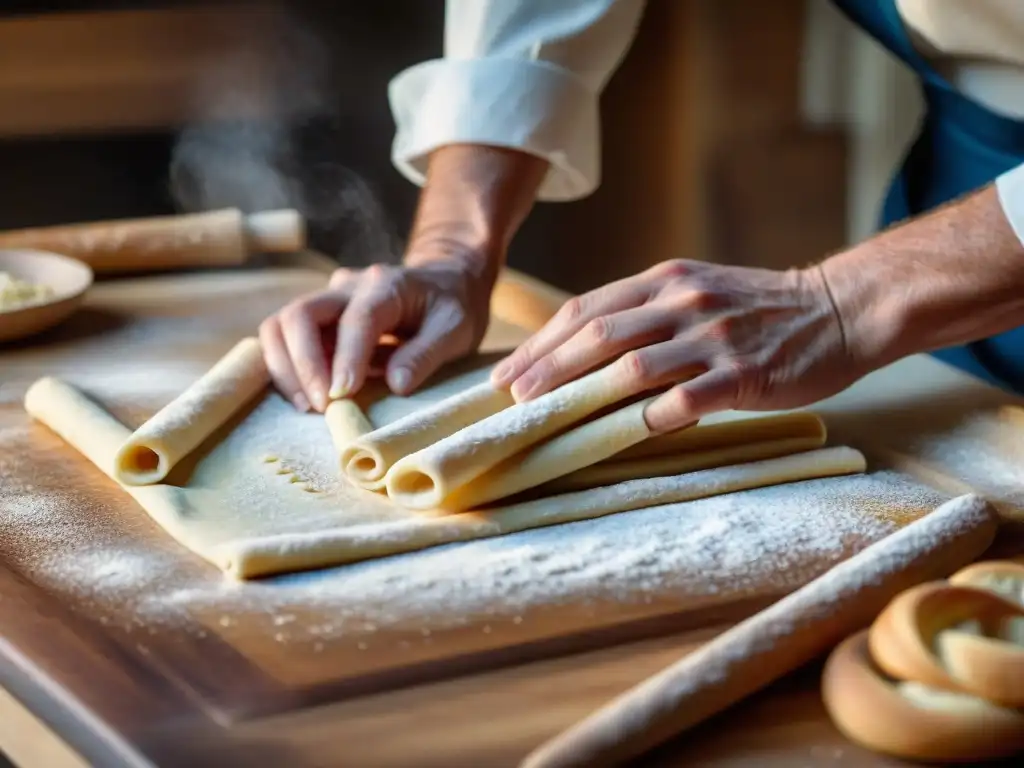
x=321, y=345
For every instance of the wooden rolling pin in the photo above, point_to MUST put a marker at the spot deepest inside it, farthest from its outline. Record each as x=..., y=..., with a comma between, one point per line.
x=219, y=238
x=776, y=641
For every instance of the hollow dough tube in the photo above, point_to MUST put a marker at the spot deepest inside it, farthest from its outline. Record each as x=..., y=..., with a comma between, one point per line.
x=183, y=424
x=776, y=641
x=97, y=435
x=262, y=557
x=424, y=479
x=705, y=437
x=367, y=460
x=579, y=447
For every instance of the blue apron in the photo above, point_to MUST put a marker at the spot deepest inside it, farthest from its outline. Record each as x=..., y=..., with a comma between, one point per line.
x=961, y=146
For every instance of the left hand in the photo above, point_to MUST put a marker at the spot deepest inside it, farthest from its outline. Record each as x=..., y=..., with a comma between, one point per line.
x=751, y=339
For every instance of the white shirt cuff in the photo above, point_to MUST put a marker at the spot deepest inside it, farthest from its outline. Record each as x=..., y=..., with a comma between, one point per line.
x=1010, y=189
x=531, y=106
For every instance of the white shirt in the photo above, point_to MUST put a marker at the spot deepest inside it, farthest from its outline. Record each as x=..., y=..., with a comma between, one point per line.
x=528, y=75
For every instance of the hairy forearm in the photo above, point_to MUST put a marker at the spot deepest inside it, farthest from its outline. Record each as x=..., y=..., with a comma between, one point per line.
x=473, y=202
x=950, y=277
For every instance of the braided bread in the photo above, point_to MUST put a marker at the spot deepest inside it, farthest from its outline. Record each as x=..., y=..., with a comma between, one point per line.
x=940, y=673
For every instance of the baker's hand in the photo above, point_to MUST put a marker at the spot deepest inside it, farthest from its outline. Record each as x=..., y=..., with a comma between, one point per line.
x=321, y=345
x=726, y=337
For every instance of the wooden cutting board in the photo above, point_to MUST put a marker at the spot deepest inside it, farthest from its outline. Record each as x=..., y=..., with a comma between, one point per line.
x=95, y=599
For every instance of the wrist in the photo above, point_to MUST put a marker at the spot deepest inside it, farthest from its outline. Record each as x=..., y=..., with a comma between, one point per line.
x=873, y=325
x=473, y=202
x=949, y=277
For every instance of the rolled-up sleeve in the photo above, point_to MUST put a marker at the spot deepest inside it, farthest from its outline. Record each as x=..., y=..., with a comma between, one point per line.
x=522, y=74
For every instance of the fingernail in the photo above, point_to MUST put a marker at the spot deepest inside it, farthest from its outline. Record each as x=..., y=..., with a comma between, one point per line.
x=524, y=387
x=501, y=373
x=301, y=403
x=400, y=379
x=341, y=386
x=319, y=399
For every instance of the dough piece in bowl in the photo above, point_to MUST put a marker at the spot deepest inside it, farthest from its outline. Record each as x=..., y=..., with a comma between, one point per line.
x=150, y=453
x=264, y=495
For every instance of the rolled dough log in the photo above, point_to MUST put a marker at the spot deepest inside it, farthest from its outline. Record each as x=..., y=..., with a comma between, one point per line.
x=691, y=461
x=775, y=641
x=97, y=435
x=726, y=434
x=150, y=453
x=572, y=450
x=295, y=552
x=367, y=460
x=346, y=423
x=268, y=499
x=424, y=479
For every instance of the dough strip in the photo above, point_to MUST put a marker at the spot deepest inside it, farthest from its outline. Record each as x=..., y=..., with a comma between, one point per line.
x=659, y=466
x=726, y=434
x=776, y=641
x=278, y=554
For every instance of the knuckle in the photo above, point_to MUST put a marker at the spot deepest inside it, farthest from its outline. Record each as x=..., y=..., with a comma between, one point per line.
x=679, y=400
x=671, y=269
x=635, y=366
x=720, y=328
x=742, y=369
x=547, y=368
x=294, y=313
x=572, y=310
x=703, y=300
x=599, y=332
x=268, y=328
x=376, y=272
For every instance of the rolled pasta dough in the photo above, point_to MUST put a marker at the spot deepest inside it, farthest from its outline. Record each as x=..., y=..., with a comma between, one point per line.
x=268, y=498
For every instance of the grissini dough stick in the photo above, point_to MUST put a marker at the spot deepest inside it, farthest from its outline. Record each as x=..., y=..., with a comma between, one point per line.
x=776, y=641
x=221, y=238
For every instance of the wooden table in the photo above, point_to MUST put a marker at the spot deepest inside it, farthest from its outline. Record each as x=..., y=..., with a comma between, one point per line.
x=73, y=694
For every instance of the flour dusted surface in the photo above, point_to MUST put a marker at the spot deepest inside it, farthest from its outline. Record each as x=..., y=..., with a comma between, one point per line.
x=108, y=555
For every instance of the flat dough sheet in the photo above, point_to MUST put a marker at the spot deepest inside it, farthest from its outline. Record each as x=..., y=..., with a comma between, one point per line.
x=265, y=494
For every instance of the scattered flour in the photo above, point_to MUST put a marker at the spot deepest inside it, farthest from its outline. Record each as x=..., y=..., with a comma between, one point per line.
x=752, y=653
x=986, y=451
x=107, y=554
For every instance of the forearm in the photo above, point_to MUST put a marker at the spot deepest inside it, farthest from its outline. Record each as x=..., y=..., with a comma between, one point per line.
x=473, y=202
x=950, y=277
